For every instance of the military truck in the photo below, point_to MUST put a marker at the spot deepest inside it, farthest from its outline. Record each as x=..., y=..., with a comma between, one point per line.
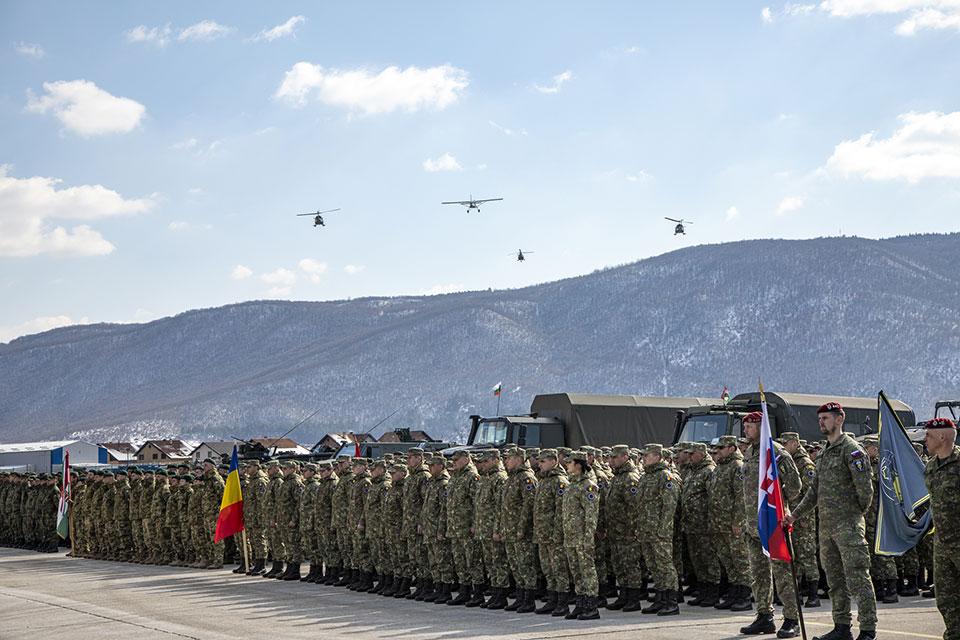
x=577, y=419
x=788, y=412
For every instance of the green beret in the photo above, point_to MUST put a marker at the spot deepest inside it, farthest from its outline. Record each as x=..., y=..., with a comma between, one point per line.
x=107, y=473
x=161, y=472
x=120, y=472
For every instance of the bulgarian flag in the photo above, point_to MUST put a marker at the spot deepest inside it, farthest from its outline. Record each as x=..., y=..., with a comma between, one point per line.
x=63, y=523
x=497, y=389
x=725, y=395
x=230, y=520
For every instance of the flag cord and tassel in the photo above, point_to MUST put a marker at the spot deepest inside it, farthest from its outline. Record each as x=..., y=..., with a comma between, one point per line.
x=788, y=533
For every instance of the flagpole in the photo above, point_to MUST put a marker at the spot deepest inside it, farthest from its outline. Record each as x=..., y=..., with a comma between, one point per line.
x=788, y=532
x=246, y=553
x=498, y=402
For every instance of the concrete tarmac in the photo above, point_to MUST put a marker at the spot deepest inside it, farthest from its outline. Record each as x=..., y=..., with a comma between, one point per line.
x=51, y=595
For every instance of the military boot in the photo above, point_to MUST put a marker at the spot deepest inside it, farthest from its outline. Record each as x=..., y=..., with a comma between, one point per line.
x=311, y=574
x=789, y=629
x=346, y=577
x=240, y=569
x=549, y=604
x=463, y=597
x=578, y=608
x=634, y=601
x=513, y=606
x=670, y=600
x=888, y=592
x=563, y=604
x=621, y=600
x=709, y=594
x=529, y=601
x=382, y=584
x=392, y=583
x=403, y=590
x=283, y=574
x=763, y=623
x=910, y=589
x=444, y=593
x=293, y=571
x=477, y=599
x=498, y=600
x=590, y=610
x=425, y=591
x=658, y=603
x=275, y=570
x=432, y=591
x=839, y=632
x=742, y=600
x=813, y=598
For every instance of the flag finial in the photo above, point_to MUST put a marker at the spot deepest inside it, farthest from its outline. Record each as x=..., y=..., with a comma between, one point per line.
x=763, y=398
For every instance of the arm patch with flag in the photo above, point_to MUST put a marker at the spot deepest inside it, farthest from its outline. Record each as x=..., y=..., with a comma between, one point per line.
x=230, y=520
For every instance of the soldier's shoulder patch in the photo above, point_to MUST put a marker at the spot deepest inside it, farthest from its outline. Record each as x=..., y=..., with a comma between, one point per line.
x=856, y=453
x=634, y=489
x=859, y=464
x=811, y=472
x=591, y=496
x=561, y=490
x=669, y=484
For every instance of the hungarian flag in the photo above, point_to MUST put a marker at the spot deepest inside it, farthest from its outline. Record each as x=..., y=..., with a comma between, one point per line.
x=63, y=523
x=230, y=520
x=770, y=510
x=725, y=395
x=497, y=389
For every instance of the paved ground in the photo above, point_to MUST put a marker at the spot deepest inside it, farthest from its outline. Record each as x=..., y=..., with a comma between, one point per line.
x=49, y=595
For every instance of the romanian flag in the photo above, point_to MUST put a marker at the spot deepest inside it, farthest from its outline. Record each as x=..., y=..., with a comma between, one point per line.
x=230, y=520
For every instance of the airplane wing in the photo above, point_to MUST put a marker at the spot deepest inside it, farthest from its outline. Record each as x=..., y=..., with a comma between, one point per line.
x=488, y=200
x=463, y=202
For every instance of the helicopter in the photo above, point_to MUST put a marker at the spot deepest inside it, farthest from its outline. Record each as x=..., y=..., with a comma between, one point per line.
x=521, y=256
x=678, y=230
x=471, y=203
x=318, y=216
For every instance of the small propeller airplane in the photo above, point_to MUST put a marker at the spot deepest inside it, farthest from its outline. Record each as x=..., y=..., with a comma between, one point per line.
x=471, y=203
x=678, y=230
x=318, y=216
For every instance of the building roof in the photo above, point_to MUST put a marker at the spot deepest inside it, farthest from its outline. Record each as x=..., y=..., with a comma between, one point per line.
x=172, y=448
x=223, y=447
x=22, y=447
x=120, y=447
x=415, y=436
x=281, y=444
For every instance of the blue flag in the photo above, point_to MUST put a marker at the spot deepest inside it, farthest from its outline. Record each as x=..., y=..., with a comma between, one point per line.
x=904, y=512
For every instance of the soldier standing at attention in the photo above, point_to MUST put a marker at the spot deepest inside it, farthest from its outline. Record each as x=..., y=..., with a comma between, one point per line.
x=461, y=491
x=762, y=566
x=288, y=518
x=842, y=491
x=728, y=526
x=942, y=477
x=362, y=578
x=804, y=531
x=516, y=528
x=433, y=519
x=338, y=521
x=308, y=521
x=413, y=491
x=135, y=478
x=487, y=523
x=394, y=543
x=258, y=485
x=212, y=497
x=695, y=512
x=271, y=506
x=158, y=517
x=659, y=496
x=623, y=512
x=373, y=514
x=579, y=516
x=121, y=513
x=883, y=569
x=326, y=534
x=548, y=534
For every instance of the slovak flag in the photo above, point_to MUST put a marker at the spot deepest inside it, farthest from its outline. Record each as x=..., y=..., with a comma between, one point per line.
x=770, y=509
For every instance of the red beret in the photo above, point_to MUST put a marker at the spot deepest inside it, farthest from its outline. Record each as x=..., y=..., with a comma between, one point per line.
x=753, y=416
x=830, y=407
x=941, y=423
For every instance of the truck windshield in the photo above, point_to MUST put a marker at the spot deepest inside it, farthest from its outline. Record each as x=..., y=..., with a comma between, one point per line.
x=491, y=433
x=704, y=428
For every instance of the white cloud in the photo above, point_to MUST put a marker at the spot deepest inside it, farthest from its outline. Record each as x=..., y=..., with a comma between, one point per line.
x=313, y=268
x=795, y=9
x=446, y=162
x=440, y=289
x=195, y=147
x=37, y=325
x=28, y=204
x=731, y=213
x=558, y=81
x=920, y=14
x=30, y=50
x=179, y=225
x=86, y=109
x=241, y=272
x=279, y=277
x=507, y=130
x=185, y=145
x=927, y=145
x=353, y=269
x=766, y=15
x=288, y=28
x=788, y=204
x=928, y=19
x=640, y=176
x=205, y=30
x=409, y=89
x=159, y=36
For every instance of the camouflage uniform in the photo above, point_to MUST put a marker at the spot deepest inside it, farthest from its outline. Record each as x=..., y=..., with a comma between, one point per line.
x=271, y=508
x=326, y=534
x=356, y=521
x=138, y=549
x=433, y=520
x=212, y=552
x=487, y=522
x=288, y=514
x=395, y=542
x=462, y=489
x=255, y=517
x=172, y=517
x=413, y=489
x=547, y=527
x=883, y=569
x=195, y=519
x=158, y=517
x=762, y=566
x=516, y=523
x=122, y=535
x=659, y=496
x=580, y=514
x=942, y=477
x=375, y=524
x=727, y=519
x=338, y=519
x=805, y=529
x=144, y=502
x=622, y=508
x=695, y=503
x=842, y=492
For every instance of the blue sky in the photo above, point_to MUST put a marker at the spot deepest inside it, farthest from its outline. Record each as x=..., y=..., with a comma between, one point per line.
x=154, y=154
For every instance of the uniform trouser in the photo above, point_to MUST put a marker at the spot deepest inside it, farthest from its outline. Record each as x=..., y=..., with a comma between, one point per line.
x=211, y=552
x=258, y=544
x=361, y=553
x=495, y=562
x=148, y=540
x=732, y=554
x=163, y=543
x=909, y=563
x=417, y=554
x=467, y=560
x=345, y=546
x=626, y=563
x=553, y=562
x=846, y=561
x=583, y=569
x=275, y=539
x=703, y=557
x=307, y=545
x=397, y=548
x=658, y=552
x=520, y=555
x=881, y=567
x=292, y=552
x=601, y=552
x=329, y=551
x=441, y=561
x=379, y=556
x=805, y=546
x=124, y=540
x=136, y=538
x=946, y=575
x=925, y=549
x=761, y=567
